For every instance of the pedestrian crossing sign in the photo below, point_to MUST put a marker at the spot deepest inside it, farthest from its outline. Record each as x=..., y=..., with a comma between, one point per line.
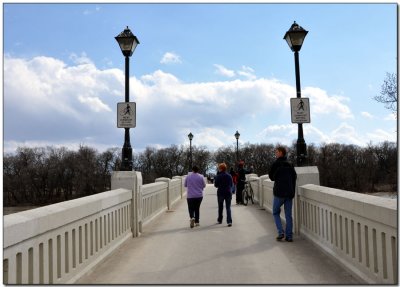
x=126, y=115
x=300, y=110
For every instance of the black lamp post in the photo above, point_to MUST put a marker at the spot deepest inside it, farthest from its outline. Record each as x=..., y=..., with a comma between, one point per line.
x=127, y=42
x=237, y=135
x=295, y=37
x=190, y=136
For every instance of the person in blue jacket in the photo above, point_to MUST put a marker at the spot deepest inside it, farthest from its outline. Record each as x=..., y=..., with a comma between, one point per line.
x=223, y=183
x=284, y=176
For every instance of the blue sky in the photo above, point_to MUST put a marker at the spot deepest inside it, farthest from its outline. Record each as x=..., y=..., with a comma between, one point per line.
x=209, y=69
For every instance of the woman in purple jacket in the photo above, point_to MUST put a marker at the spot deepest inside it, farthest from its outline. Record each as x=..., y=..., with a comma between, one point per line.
x=195, y=184
x=223, y=183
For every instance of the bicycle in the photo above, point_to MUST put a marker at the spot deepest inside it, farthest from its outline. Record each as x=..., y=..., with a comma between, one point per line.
x=248, y=193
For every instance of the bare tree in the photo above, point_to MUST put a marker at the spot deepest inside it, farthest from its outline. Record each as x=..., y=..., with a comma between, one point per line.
x=202, y=158
x=388, y=94
x=226, y=155
x=38, y=176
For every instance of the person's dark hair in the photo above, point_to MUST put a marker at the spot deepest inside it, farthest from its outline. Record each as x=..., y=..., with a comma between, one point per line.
x=195, y=169
x=282, y=150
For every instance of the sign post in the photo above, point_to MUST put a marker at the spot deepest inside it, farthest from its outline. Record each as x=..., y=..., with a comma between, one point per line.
x=300, y=110
x=126, y=115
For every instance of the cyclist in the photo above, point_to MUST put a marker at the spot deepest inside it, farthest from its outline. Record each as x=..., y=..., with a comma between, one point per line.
x=241, y=182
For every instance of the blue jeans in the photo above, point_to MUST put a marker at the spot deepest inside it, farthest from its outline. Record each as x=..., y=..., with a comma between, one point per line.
x=227, y=199
x=276, y=211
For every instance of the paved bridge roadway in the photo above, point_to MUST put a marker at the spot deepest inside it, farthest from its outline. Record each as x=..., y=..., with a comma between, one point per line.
x=169, y=252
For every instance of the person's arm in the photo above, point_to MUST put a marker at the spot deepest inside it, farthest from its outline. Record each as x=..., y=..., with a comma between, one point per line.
x=185, y=182
x=216, y=181
x=294, y=176
x=271, y=173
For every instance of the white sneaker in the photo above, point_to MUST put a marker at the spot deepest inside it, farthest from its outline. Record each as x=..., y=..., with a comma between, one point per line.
x=192, y=223
x=197, y=224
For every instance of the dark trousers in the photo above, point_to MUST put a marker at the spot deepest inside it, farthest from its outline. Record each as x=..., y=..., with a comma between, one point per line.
x=227, y=199
x=194, y=208
x=239, y=193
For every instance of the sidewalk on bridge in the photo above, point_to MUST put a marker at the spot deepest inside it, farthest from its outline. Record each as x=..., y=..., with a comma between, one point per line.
x=170, y=252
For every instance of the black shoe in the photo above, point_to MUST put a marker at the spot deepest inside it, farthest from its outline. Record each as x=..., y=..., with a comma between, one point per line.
x=229, y=224
x=289, y=239
x=219, y=222
x=280, y=237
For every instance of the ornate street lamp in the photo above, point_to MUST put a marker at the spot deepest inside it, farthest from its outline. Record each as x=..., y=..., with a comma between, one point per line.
x=190, y=136
x=237, y=135
x=127, y=42
x=295, y=38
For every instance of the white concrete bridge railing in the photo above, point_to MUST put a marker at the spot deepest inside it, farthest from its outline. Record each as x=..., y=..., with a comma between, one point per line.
x=359, y=231
x=57, y=244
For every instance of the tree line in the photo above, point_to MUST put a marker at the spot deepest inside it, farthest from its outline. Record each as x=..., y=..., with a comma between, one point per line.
x=40, y=176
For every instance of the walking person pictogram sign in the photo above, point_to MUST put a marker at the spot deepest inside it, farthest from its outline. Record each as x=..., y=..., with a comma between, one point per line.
x=126, y=115
x=300, y=110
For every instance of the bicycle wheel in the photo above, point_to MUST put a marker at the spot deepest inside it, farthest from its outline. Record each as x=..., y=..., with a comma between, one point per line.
x=245, y=196
x=251, y=195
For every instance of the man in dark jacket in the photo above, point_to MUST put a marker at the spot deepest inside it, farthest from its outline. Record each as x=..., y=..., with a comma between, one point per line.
x=284, y=177
x=223, y=183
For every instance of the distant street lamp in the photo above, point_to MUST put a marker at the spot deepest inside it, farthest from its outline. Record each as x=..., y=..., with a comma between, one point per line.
x=237, y=135
x=190, y=136
x=127, y=42
x=295, y=37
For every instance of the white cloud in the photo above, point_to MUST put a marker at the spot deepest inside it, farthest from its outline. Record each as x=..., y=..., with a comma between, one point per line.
x=47, y=101
x=367, y=115
x=206, y=102
x=316, y=135
x=322, y=103
x=347, y=134
x=283, y=134
x=247, y=72
x=213, y=138
x=221, y=70
x=80, y=60
x=91, y=11
x=171, y=58
x=380, y=135
x=390, y=117
x=343, y=133
x=94, y=103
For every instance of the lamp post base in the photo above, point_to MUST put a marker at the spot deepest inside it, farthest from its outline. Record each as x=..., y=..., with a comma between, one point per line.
x=301, y=152
x=127, y=163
